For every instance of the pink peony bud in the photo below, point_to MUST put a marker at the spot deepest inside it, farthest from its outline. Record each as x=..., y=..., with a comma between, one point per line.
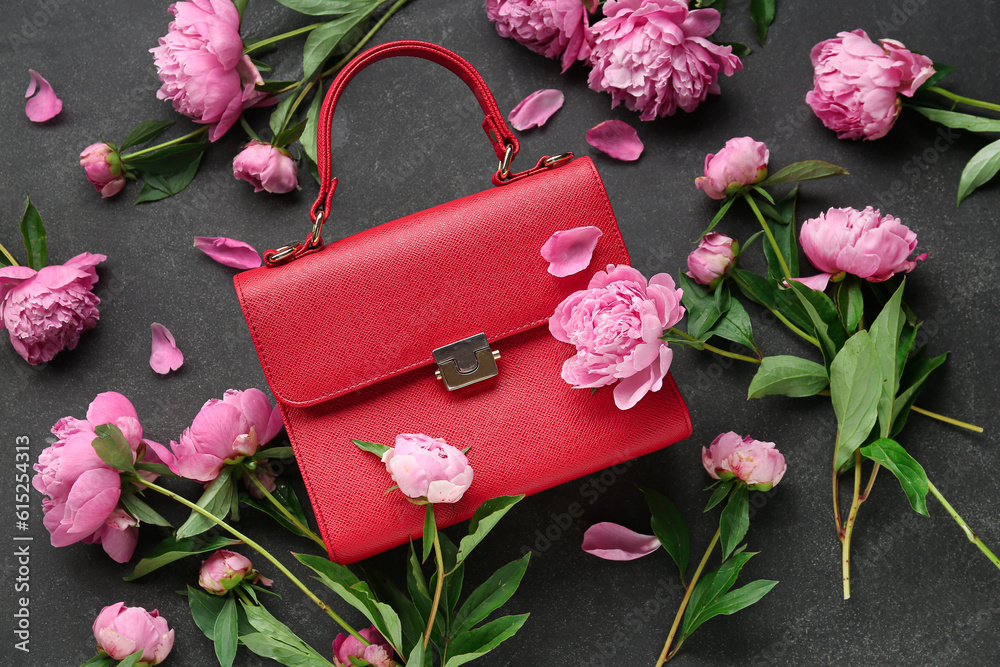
x=45, y=311
x=428, y=468
x=121, y=631
x=379, y=654
x=224, y=570
x=104, y=168
x=856, y=83
x=741, y=162
x=755, y=463
x=553, y=28
x=266, y=168
x=711, y=259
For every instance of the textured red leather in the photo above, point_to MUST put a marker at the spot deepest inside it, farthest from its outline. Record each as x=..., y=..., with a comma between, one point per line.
x=358, y=364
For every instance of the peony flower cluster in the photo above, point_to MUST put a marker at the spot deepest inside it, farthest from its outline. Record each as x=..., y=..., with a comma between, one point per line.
x=120, y=631
x=755, y=463
x=553, y=28
x=428, y=468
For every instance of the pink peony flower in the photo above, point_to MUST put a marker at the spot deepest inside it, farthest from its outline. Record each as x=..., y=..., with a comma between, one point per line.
x=266, y=168
x=104, y=168
x=201, y=64
x=44, y=106
x=121, y=631
x=616, y=324
x=711, y=259
x=611, y=541
x=224, y=570
x=428, y=468
x=741, y=162
x=82, y=490
x=654, y=55
x=569, y=251
x=755, y=463
x=553, y=28
x=379, y=654
x=856, y=83
x=46, y=311
x=863, y=243
x=224, y=431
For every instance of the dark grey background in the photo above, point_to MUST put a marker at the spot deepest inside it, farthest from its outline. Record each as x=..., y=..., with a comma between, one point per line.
x=407, y=138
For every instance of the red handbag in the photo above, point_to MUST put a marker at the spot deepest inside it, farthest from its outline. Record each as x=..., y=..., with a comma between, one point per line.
x=438, y=294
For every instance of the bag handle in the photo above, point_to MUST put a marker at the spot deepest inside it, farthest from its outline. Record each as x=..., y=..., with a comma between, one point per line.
x=505, y=143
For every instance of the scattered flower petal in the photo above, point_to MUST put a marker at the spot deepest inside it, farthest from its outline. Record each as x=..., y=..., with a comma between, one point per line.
x=230, y=252
x=535, y=109
x=165, y=357
x=817, y=282
x=613, y=542
x=616, y=138
x=44, y=106
x=569, y=251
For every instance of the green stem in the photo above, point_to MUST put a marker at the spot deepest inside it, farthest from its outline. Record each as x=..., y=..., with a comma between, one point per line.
x=947, y=420
x=364, y=40
x=247, y=128
x=191, y=135
x=799, y=332
x=257, y=46
x=964, y=100
x=10, y=258
x=871, y=483
x=769, y=235
x=259, y=549
x=284, y=510
x=712, y=348
x=849, y=526
x=437, y=588
x=298, y=101
x=965, y=527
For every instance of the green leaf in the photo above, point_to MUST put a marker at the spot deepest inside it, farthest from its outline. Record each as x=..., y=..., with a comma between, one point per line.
x=885, y=332
x=855, y=388
x=144, y=131
x=225, y=636
x=718, y=216
x=172, y=549
x=217, y=500
x=386, y=591
x=850, y=303
x=205, y=609
x=488, y=597
x=430, y=531
x=289, y=135
x=273, y=86
x=167, y=161
x=326, y=7
x=669, y=528
x=763, y=193
x=732, y=602
x=824, y=318
x=111, y=445
x=281, y=114
x=285, y=495
x=453, y=583
x=710, y=588
x=158, y=468
x=325, y=40
x=375, y=448
x=416, y=657
x=33, y=233
x=762, y=15
x=161, y=186
x=720, y=493
x=735, y=520
x=941, y=71
x=416, y=583
x=309, y=134
x=982, y=167
x=735, y=326
x=766, y=293
x=785, y=375
x=891, y=456
x=487, y=516
x=703, y=309
x=473, y=644
x=275, y=640
x=99, y=661
x=132, y=660
x=808, y=170
x=138, y=508
x=784, y=235
x=913, y=378
x=960, y=121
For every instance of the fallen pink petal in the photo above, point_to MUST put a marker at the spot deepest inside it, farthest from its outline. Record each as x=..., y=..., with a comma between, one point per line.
x=569, y=251
x=817, y=282
x=535, y=109
x=616, y=138
x=165, y=356
x=230, y=252
x=44, y=106
x=611, y=541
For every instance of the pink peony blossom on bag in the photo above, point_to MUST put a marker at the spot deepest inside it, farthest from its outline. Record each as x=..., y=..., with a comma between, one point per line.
x=266, y=168
x=45, y=311
x=711, y=259
x=45, y=105
x=201, y=64
x=611, y=541
x=120, y=631
x=553, y=28
x=654, y=56
x=224, y=431
x=379, y=654
x=741, y=162
x=616, y=324
x=863, y=243
x=755, y=463
x=104, y=168
x=428, y=468
x=856, y=83
x=224, y=570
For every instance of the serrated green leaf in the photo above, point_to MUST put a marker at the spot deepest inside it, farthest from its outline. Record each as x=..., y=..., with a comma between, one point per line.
x=960, y=121
x=138, y=508
x=430, y=531
x=33, y=234
x=167, y=161
x=855, y=388
x=473, y=644
x=485, y=517
x=735, y=520
x=891, y=456
x=111, y=445
x=372, y=447
x=224, y=633
x=719, y=494
x=786, y=375
x=718, y=216
x=172, y=549
x=762, y=15
x=217, y=499
x=711, y=587
x=145, y=131
x=807, y=170
x=325, y=40
x=669, y=528
x=735, y=325
x=885, y=332
x=491, y=595
x=983, y=166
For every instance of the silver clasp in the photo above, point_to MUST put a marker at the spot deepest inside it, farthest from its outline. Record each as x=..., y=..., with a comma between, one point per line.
x=466, y=362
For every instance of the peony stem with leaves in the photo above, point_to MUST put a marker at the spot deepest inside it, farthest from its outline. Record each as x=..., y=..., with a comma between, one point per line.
x=439, y=557
x=965, y=527
x=260, y=44
x=770, y=237
x=712, y=348
x=964, y=100
x=849, y=525
x=191, y=135
x=284, y=510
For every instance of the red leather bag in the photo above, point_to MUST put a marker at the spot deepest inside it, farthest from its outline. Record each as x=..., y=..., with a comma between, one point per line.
x=361, y=362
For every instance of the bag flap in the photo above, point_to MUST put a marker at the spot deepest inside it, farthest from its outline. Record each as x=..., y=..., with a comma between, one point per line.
x=375, y=304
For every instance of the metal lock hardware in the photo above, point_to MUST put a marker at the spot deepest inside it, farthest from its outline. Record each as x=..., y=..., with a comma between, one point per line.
x=466, y=362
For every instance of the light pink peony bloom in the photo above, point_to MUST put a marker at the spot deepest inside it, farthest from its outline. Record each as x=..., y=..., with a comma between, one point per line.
x=82, y=490
x=711, y=259
x=428, y=468
x=616, y=138
x=104, y=168
x=165, y=356
x=237, y=254
x=741, y=162
x=45, y=311
x=611, y=541
x=654, y=55
x=120, y=631
x=616, y=324
x=863, y=243
x=535, y=109
x=379, y=654
x=569, y=251
x=44, y=106
x=755, y=463
x=201, y=64
x=856, y=83
x=224, y=431
x=266, y=168
x=224, y=570
x=553, y=28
